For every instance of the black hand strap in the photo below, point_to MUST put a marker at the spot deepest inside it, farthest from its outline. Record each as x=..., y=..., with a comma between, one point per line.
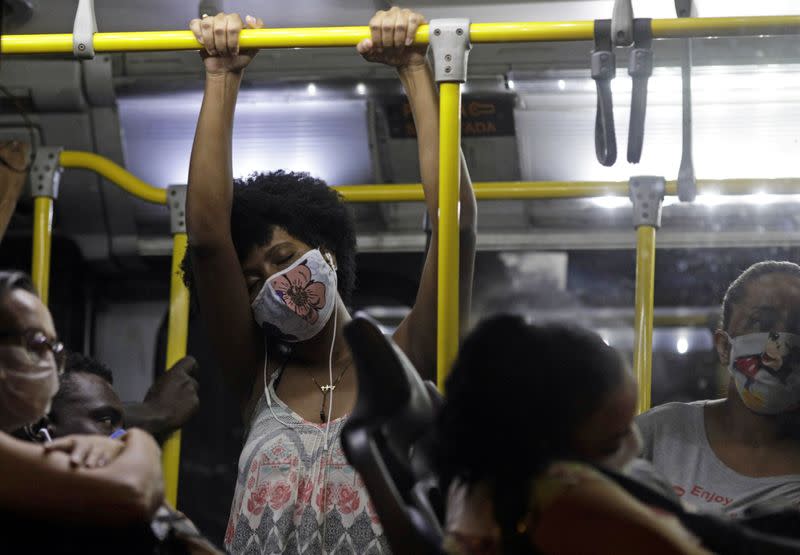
x=603, y=71
x=640, y=68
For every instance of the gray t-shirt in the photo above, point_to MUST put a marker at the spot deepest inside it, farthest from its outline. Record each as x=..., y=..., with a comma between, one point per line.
x=675, y=442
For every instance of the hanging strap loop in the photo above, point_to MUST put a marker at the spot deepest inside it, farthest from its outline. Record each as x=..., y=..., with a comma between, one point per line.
x=640, y=68
x=603, y=71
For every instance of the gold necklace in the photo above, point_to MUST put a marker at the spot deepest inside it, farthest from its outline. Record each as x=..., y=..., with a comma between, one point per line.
x=327, y=389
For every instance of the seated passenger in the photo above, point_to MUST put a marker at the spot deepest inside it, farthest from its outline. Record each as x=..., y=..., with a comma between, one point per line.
x=86, y=403
x=89, y=480
x=528, y=411
x=744, y=450
x=168, y=404
x=272, y=263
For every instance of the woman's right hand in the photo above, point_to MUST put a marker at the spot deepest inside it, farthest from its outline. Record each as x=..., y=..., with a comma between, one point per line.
x=219, y=36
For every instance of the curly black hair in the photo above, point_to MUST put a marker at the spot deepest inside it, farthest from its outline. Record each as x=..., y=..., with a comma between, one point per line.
x=306, y=207
x=526, y=389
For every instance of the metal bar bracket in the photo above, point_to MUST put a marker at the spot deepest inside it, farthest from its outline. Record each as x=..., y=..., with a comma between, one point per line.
x=622, y=23
x=685, y=8
x=176, y=202
x=83, y=30
x=647, y=196
x=46, y=172
x=449, y=40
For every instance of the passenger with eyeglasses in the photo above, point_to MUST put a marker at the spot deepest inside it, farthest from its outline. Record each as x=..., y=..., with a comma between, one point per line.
x=76, y=482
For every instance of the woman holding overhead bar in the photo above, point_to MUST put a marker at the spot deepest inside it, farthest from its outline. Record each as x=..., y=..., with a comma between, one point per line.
x=271, y=260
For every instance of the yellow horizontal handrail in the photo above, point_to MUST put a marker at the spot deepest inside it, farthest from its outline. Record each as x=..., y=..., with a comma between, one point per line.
x=114, y=173
x=350, y=36
x=412, y=192
x=499, y=190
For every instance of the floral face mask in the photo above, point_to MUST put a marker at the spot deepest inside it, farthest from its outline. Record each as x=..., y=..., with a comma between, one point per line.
x=296, y=303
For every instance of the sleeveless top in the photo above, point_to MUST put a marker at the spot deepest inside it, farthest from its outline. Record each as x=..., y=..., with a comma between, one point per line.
x=295, y=497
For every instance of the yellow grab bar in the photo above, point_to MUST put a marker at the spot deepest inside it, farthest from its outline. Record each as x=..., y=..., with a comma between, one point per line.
x=447, y=332
x=498, y=190
x=412, y=192
x=177, y=336
x=643, y=313
x=42, y=239
x=350, y=36
x=114, y=173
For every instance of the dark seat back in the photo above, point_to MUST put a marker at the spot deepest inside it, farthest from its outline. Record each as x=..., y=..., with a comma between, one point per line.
x=381, y=439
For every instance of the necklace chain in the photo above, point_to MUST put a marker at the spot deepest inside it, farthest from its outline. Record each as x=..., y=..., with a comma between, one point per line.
x=327, y=389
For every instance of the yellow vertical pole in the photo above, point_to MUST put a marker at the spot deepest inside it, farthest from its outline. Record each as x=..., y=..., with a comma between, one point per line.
x=177, y=335
x=449, y=179
x=42, y=238
x=643, y=324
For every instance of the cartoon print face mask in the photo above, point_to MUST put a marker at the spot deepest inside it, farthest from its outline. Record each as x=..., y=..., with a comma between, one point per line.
x=296, y=303
x=766, y=370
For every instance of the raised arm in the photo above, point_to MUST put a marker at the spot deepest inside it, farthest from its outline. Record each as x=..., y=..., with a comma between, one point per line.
x=392, y=44
x=169, y=403
x=218, y=279
x=47, y=486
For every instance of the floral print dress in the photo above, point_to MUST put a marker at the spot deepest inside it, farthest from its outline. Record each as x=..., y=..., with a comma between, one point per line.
x=295, y=497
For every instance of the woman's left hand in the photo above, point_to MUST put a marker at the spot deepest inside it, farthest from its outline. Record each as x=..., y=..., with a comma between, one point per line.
x=392, y=41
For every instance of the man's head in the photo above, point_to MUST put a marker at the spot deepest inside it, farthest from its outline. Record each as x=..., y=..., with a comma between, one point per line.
x=86, y=402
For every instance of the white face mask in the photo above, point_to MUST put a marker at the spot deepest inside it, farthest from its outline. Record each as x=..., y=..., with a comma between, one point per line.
x=296, y=303
x=629, y=449
x=25, y=396
x=766, y=370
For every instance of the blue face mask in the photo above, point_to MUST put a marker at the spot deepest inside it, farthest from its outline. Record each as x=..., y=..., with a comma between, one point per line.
x=118, y=433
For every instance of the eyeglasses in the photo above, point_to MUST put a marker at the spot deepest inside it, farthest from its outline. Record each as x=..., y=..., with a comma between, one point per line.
x=39, y=348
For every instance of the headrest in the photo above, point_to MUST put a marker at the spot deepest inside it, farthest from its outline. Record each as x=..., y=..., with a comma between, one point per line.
x=392, y=396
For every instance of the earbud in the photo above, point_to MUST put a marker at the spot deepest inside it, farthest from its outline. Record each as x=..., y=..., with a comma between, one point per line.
x=329, y=258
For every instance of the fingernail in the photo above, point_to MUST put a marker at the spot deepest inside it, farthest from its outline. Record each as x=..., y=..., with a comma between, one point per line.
x=101, y=462
x=409, y=41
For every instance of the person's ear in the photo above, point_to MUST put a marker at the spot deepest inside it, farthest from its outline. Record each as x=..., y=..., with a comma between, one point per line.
x=722, y=343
